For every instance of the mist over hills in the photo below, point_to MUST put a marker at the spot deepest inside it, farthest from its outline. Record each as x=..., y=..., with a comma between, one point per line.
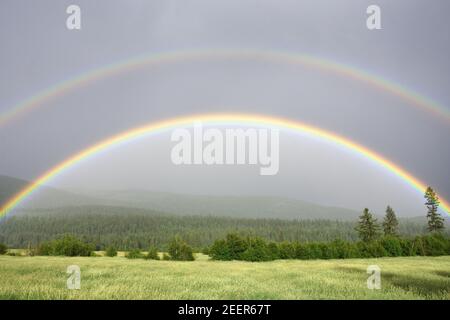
x=178, y=204
x=136, y=218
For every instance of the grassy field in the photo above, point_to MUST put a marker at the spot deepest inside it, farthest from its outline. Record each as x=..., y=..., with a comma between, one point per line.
x=121, y=278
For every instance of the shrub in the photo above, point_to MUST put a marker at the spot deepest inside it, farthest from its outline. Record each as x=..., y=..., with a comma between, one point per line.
x=343, y=250
x=220, y=251
x=152, y=254
x=256, y=254
x=134, y=254
x=288, y=250
x=180, y=250
x=312, y=251
x=257, y=250
x=436, y=245
x=3, y=248
x=418, y=247
x=296, y=250
x=236, y=245
x=111, y=252
x=66, y=246
x=231, y=248
x=392, y=245
x=408, y=247
x=327, y=250
x=372, y=249
x=274, y=250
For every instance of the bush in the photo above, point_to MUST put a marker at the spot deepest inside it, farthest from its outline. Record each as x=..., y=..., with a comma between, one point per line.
x=257, y=250
x=288, y=250
x=236, y=245
x=312, y=251
x=392, y=245
x=274, y=250
x=152, y=254
x=134, y=254
x=343, y=250
x=408, y=249
x=3, y=248
x=68, y=245
x=256, y=254
x=220, y=251
x=372, y=249
x=418, y=247
x=327, y=250
x=111, y=252
x=229, y=249
x=180, y=250
x=436, y=245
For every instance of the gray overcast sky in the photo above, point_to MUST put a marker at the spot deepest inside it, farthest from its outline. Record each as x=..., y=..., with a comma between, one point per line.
x=412, y=49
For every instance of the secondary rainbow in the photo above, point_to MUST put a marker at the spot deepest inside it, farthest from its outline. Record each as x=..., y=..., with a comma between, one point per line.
x=226, y=118
x=162, y=58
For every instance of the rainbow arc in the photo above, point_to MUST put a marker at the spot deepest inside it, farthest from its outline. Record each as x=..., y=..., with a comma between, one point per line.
x=165, y=58
x=219, y=119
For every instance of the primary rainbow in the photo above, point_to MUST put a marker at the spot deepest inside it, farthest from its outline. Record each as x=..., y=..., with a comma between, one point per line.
x=207, y=54
x=226, y=118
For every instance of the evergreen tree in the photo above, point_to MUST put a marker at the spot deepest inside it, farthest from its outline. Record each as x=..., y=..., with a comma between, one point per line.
x=180, y=250
x=367, y=228
x=435, y=221
x=152, y=253
x=390, y=223
x=111, y=251
x=3, y=248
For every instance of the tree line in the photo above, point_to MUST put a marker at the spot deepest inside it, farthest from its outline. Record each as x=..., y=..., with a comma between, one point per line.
x=125, y=229
x=254, y=239
x=372, y=241
x=235, y=247
x=368, y=228
x=71, y=246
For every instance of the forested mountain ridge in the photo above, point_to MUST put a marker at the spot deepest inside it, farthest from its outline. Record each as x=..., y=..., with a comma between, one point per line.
x=128, y=228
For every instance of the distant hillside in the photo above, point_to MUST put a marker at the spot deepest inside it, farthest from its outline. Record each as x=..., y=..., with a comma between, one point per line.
x=45, y=197
x=179, y=204
x=9, y=186
x=229, y=206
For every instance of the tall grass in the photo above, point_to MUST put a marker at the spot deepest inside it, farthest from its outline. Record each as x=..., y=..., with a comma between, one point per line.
x=121, y=278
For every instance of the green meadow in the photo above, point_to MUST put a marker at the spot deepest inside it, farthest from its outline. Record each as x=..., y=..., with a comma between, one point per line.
x=24, y=277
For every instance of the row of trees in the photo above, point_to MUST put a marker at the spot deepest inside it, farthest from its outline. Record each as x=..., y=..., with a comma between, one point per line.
x=369, y=229
x=235, y=247
x=373, y=242
x=178, y=250
x=127, y=229
x=71, y=246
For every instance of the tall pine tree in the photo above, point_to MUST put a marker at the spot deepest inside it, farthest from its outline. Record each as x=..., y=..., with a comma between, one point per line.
x=390, y=223
x=367, y=228
x=435, y=221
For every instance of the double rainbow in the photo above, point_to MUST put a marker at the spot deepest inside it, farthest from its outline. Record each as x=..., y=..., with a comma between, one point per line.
x=163, y=58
